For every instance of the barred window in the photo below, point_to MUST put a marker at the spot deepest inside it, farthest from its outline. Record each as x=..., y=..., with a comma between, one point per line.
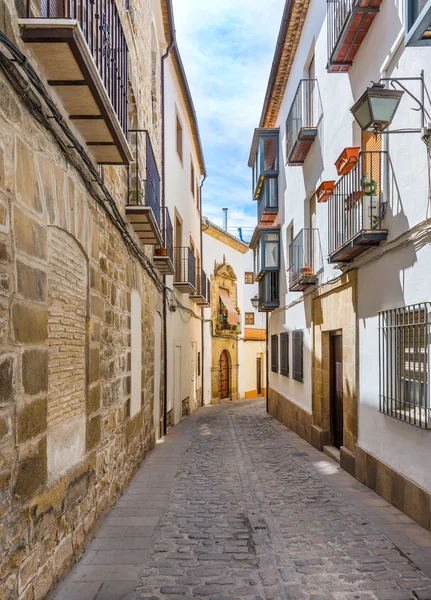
x=274, y=353
x=297, y=355
x=404, y=364
x=284, y=354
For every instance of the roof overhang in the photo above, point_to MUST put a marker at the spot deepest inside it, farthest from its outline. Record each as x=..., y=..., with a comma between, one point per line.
x=259, y=229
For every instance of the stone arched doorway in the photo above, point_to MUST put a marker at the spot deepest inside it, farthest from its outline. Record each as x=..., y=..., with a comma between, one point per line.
x=224, y=387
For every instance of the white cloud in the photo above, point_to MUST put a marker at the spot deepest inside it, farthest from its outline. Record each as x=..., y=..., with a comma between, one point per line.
x=227, y=48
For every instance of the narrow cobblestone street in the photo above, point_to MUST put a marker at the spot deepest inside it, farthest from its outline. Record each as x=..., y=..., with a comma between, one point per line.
x=233, y=505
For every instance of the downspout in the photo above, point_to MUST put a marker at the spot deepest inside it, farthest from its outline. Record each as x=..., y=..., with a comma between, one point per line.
x=267, y=362
x=165, y=328
x=202, y=310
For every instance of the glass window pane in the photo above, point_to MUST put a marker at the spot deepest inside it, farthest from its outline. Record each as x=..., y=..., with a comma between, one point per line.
x=271, y=255
x=416, y=7
x=270, y=154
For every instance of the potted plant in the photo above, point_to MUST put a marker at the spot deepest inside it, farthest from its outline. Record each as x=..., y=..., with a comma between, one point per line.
x=325, y=191
x=307, y=271
x=347, y=160
x=237, y=310
x=161, y=251
x=136, y=197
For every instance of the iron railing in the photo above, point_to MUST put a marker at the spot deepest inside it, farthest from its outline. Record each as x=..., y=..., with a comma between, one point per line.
x=338, y=11
x=304, y=253
x=101, y=27
x=404, y=340
x=185, y=266
x=203, y=286
x=143, y=175
x=168, y=234
x=305, y=112
x=357, y=203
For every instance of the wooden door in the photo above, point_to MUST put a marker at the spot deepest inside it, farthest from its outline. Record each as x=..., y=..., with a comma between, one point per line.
x=224, y=375
x=259, y=375
x=336, y=358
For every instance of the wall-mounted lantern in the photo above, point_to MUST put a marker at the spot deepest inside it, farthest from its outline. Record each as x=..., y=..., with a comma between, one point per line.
x=376, y=108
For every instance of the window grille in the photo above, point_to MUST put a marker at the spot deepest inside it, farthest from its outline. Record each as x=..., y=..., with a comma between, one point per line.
x=284, y=354
x=404, y=364
x=274, y=353
x=297, y=355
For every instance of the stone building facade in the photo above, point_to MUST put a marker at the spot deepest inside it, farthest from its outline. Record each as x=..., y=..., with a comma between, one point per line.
x=79, y=298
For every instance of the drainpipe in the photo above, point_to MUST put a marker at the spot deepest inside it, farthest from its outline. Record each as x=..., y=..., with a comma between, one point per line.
x=202, y=311
x=267, y=362
x=165, y=329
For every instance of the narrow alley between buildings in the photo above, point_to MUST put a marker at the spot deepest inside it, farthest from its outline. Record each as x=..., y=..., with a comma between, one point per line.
x=232, y=504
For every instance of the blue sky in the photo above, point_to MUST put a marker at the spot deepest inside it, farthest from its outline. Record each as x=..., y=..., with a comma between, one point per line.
x=227, y=48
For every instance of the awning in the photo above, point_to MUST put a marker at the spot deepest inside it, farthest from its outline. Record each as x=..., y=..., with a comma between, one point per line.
x=232, y=315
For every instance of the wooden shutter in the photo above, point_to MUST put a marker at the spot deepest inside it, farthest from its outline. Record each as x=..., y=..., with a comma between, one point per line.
x=372, y=162
x=284, y=354
x=274, y=353
x=298, y=351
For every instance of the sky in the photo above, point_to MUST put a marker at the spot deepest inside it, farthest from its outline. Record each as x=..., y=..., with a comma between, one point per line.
x=227, y=48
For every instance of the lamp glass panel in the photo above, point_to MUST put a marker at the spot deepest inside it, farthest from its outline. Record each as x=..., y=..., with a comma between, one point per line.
x=363, y=114
x=383, y=108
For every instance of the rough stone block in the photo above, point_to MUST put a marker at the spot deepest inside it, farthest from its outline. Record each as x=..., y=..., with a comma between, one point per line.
x=4, y=426
x=30, y=237
x=2, y=171
x=30, y=323
x=49, y=500
x=7, y=388
x=4, y=254
x=44, y=580
x=26, y=178
x=63, y=555
x=4, y=216
x=93, y=403
x=93, y=365
x=397, y=490
x=361, y=465
x=417, y=503
x=46, y=179
x=347, y=460
x=35, y=371
x=93, y=432
x=371, y=471
x=32, y=283
x=32, y=471
x=27, y=571
x=383, y=481
x=32, y=420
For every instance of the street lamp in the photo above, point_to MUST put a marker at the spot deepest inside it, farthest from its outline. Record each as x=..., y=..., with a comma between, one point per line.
x=255, y=301
x=376, y=108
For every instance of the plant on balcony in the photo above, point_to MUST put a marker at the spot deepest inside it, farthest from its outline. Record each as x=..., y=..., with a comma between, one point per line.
x=347, y=160
x=136, y=197
x=307, y=271
x=369, y=185
x=161, y=251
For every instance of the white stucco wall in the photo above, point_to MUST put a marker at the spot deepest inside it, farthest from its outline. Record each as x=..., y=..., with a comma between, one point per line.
x=396, y=279
x=183, y=330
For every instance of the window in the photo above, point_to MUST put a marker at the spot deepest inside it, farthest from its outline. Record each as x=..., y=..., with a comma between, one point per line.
x=249, y=278
x=198, y=195
x=284, y=354
x=192, y=178
x=297, y=355
x=179, y=139
x=274, y=353
x=404, y=364
x=249, y=318
x=418, y=22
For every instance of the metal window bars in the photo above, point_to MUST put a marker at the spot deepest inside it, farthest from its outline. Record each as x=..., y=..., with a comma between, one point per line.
x=304, y=255
x=101, y=27
x=203, y=285
x=357, y=204
x=404, y=340
x=143, y=174
x=185, y=266
x=168, y=233
x=303, y=119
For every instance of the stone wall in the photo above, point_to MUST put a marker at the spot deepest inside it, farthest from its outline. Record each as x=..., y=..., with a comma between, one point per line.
x=68, y=446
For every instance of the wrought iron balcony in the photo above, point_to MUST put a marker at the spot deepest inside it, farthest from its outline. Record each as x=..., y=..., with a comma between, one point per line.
x=303, y=121
x=304, y=253
x=164, y=255
x=202, y=297
x=348, y=24
x=185, y=270
x=143, y=199
x=356, y=208
x=269, y=291
x=83, y=50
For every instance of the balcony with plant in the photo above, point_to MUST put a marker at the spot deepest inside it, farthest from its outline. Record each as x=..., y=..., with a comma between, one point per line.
x=304, y=263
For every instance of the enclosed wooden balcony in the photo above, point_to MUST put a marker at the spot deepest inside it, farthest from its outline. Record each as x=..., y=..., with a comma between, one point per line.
x=267, y=207
x=266, y=246
x=164, y=255
x=143, y=200
x=82, y=49
x=269, y=291
x=348, y=23
x=303, y=121
x=356, y=208
x=304, y=253
x=185, y=270
x=202, y=297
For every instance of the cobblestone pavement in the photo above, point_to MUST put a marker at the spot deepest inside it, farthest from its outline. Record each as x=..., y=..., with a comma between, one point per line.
x=252, y=512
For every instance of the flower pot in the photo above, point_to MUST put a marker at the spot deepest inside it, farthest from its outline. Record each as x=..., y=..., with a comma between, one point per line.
x=347, y=160
x=325, y=191
x=307, y=271
x=161, y=252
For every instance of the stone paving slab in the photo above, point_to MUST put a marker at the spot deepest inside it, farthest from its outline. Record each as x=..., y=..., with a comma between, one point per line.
x=232, y=505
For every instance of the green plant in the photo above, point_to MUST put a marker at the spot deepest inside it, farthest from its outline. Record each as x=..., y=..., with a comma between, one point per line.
x=136, y=196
